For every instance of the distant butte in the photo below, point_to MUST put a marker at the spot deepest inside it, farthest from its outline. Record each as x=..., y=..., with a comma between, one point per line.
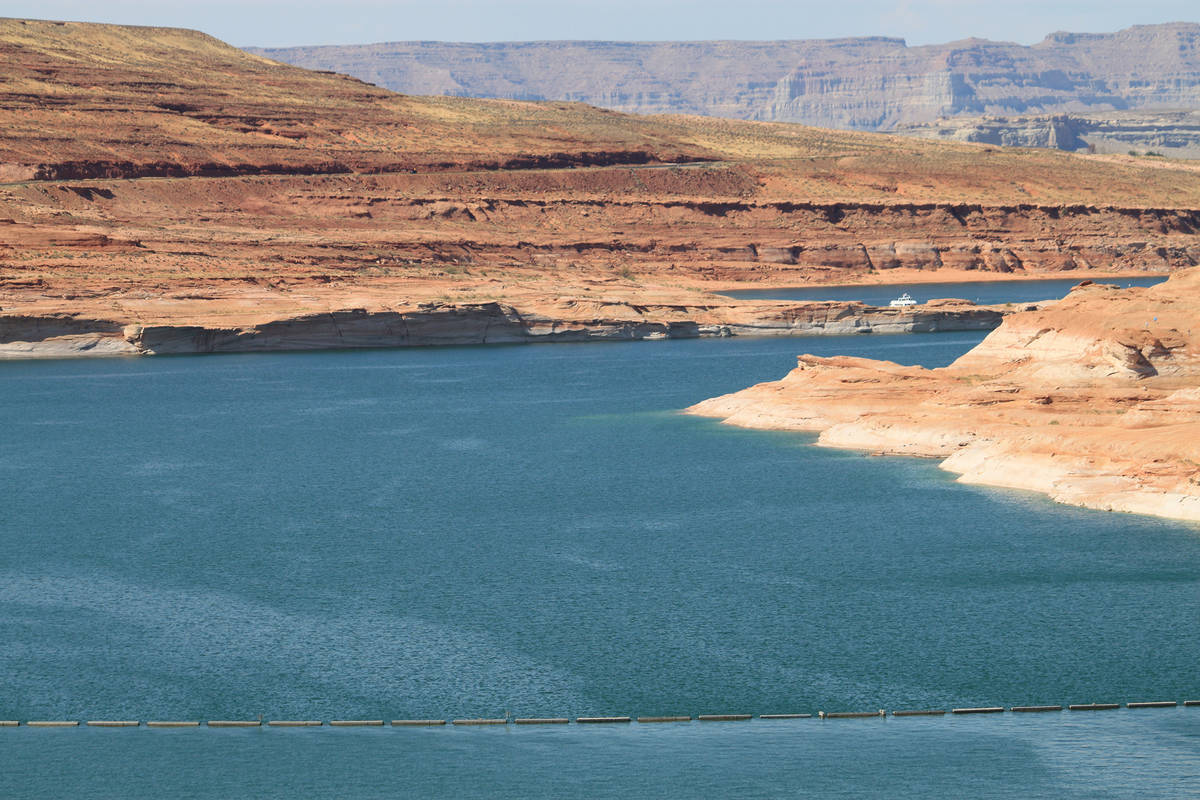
x=161, y=191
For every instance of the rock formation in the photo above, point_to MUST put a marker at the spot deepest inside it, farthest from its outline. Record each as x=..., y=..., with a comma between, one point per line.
x=1174, y=134
x=161, y=191
x=869, y=83
x=174, y=326
x=1094, y=400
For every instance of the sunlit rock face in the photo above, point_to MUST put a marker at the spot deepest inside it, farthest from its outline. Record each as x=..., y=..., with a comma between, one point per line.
x=1094, y=400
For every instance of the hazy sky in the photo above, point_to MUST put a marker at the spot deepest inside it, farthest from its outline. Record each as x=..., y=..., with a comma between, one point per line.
x=294, y=22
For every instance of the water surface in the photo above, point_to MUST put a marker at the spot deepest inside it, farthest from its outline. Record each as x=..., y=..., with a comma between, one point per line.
x=536, y=530
x=978, y=292
x=1126, y=754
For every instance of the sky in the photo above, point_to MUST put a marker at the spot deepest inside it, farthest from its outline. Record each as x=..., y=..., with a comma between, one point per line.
x=280, y=23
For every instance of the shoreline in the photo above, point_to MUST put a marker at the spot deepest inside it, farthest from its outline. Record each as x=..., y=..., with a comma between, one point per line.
x=1093, y=401
x=407, y=314
x=427, y=325
x=1064, y=478
x=631, y=312
x=904, y=277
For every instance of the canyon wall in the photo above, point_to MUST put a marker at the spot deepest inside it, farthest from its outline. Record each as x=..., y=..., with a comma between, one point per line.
x=164, y=192
x=211, y=330
x=1173, y=134
x=870, y=83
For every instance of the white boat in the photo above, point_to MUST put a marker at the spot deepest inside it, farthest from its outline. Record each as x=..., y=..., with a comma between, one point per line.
x=902, y=301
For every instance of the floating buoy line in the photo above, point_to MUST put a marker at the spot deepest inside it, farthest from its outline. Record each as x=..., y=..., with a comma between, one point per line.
x=506, y=720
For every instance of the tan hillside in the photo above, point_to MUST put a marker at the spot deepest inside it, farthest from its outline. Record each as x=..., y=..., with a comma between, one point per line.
x=160, y=177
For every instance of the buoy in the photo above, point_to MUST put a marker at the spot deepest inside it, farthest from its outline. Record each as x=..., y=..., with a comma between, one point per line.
x=723, y=717
x=586, y=720
x=785, y=716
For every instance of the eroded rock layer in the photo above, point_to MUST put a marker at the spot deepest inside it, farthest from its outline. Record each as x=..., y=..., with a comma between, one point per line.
x=208, y=330
x=871, y=83
x=161, y=191
x=1094, y=400
x=1171, y=134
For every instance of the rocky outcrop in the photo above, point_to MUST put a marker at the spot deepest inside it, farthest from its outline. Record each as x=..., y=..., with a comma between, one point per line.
x=479, y=323
x=1094, y=400
x=1174, y=134
x=871, y=83
x=60, y=336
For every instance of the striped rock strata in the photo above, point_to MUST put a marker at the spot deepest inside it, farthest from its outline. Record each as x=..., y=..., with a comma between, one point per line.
x=208, y=327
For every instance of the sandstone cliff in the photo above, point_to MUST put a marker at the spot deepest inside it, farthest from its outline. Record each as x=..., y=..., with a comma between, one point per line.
x=1094, y=400
x=216, y=200
x=181, y=325
x=1174, y=134
x=869, y=83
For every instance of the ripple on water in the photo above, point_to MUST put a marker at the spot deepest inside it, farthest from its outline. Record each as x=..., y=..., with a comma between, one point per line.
x=549, y=540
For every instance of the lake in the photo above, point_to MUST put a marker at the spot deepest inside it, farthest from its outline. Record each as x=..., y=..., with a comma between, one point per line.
x=978, y=292
x=537, y=531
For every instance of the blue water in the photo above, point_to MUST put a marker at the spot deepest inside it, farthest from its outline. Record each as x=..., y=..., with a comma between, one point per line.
x=536, y=530
x=979, y=292
x=1123, y=754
